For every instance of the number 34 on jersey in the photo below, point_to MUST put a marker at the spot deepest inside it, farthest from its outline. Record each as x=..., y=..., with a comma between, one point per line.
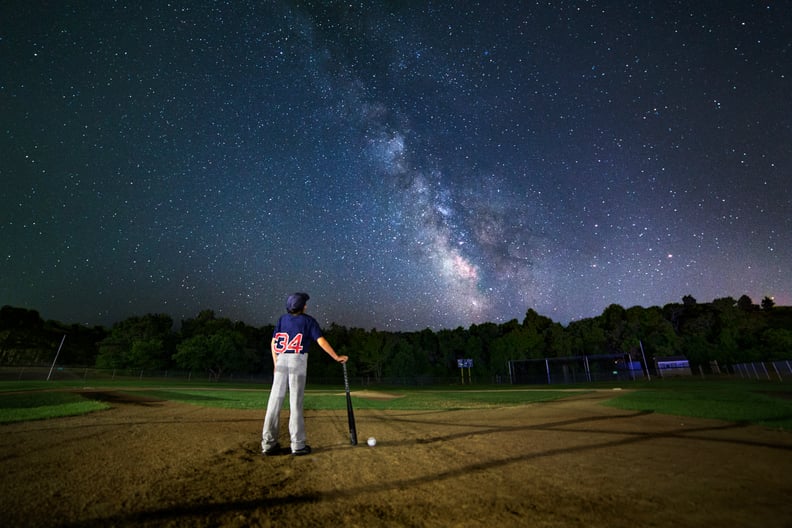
x=284, y=345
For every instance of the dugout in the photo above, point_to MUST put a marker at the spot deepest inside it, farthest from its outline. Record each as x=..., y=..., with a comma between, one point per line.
x=670, y=366
x=574, y=369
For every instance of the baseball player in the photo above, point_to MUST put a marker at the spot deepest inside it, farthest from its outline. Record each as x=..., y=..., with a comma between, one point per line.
x=293, y=335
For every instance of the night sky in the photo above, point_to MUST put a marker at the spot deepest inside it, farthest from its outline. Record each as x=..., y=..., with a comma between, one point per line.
x=408, y=164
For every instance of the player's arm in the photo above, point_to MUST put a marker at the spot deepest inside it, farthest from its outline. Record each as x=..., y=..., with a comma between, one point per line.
x=322, y=342
x=272, y=349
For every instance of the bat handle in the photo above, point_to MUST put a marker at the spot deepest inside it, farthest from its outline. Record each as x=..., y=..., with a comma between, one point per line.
x=346, y=378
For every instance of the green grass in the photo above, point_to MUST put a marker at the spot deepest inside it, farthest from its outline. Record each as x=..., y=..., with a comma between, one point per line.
x=36, y=405
x=765, y=403
x=768, y=404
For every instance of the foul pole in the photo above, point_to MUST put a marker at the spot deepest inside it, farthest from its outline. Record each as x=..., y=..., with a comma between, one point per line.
x=56, y=357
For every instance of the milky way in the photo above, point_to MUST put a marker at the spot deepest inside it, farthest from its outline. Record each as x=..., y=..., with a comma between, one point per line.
x=410, y=165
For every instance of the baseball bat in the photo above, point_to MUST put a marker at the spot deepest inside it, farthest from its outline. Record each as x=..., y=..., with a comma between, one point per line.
x=350, y=412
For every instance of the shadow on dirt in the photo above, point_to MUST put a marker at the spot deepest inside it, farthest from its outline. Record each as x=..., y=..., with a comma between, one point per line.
x=121, y=398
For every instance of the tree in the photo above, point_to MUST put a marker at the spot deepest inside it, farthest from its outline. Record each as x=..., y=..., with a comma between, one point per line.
x=215, y=353
x=218, y=345
x=674, y=312
x=777, y=344
x=138, y=342
x=539, y=322
x=483, y=336
x=404, y=360
x=726, y=331
x=520, y=343
x=745, y=304
x=427, y=347
x=696, y=331
x=204, y=323
x=767, y=304
x=557, y=341
x=649, y=327
x=452, y=346
x=82, y=344
x=688, y=301
x=11, y=317
x=146, y=354
x=586, y=337
x=24, y=338
x=614, y=323
x=372, y=353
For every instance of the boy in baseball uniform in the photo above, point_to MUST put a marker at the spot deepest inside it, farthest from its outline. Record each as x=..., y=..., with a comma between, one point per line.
x=294, y=333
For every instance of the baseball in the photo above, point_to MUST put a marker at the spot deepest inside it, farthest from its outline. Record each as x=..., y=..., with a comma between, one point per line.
x=372, y=441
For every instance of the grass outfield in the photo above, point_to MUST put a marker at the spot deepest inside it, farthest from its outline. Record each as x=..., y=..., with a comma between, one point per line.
x=764, y=403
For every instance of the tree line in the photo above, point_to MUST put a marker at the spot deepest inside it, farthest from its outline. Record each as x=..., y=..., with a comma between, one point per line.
x=725, y=330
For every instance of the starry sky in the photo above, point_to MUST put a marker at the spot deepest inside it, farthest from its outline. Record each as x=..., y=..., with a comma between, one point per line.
x=409, y=164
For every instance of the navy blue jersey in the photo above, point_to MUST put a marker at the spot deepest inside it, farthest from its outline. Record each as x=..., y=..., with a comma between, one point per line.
x=294, y=333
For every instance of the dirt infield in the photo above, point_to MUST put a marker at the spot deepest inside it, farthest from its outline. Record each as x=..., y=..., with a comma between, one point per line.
x=566, y=463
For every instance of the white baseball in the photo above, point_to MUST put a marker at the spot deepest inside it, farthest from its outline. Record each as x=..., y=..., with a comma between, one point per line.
x=372, y=441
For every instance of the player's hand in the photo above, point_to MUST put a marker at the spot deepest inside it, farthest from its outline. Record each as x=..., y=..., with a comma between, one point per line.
x=342, y=359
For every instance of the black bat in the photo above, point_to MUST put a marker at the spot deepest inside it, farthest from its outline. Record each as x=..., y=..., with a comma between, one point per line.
x=350, y=412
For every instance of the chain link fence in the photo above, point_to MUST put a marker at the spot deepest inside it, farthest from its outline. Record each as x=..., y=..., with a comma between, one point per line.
x=780, y=370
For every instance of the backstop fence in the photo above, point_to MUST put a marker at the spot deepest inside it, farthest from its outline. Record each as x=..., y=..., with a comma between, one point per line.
x=575, y=369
